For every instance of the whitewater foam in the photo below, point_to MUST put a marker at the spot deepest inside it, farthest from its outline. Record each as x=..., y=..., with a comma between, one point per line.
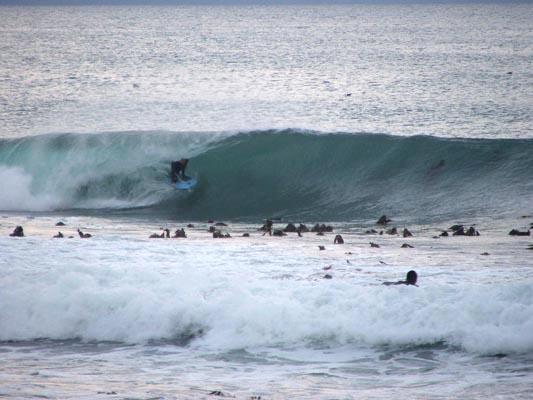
x=17, y=193
x=135, y=291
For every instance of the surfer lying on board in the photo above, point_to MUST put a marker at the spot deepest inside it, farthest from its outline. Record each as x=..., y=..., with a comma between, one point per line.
x=177, y=169
x=410, y=279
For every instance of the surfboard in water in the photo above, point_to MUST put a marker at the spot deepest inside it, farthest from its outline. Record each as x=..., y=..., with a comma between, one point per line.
x=187, y=183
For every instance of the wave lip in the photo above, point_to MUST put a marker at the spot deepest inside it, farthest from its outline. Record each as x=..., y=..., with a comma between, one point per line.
x=291, y=173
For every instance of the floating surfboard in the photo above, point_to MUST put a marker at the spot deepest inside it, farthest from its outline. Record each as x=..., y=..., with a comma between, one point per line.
x=185, y=184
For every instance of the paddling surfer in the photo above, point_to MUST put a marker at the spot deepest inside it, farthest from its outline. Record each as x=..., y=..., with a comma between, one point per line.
x=410, y=279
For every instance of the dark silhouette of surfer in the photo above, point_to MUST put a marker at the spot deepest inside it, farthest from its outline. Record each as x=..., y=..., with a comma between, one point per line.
x=177, y=170
x=17, y=232
x=410, y=279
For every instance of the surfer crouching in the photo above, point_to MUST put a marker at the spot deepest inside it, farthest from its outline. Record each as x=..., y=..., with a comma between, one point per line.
x=177, y=169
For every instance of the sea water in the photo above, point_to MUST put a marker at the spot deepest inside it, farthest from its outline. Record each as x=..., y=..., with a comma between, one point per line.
x=326, y=114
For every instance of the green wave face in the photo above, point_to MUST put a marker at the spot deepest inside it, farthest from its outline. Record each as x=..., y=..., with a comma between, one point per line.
x=291, y=174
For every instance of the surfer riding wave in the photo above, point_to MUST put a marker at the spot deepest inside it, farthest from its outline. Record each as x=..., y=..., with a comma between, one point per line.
x=177, y=170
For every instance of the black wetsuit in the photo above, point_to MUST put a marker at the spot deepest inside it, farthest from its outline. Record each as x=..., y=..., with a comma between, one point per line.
x=177, y=170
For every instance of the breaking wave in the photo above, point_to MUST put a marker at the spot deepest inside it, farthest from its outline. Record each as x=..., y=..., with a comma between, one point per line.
x=138, y=304
x=290, y=173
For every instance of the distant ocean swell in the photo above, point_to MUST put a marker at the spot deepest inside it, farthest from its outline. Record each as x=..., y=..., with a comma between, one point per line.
x=290, y=174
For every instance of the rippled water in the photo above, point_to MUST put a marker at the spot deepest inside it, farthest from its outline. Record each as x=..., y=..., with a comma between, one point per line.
x=435, y=69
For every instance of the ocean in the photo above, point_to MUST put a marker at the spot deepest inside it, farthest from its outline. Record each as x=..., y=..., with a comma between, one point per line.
x=331, y=115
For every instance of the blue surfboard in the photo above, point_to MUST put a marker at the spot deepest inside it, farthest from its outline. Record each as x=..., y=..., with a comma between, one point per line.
x=185, y=184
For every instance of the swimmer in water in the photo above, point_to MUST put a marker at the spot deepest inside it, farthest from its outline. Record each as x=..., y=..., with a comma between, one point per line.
x=410, y=279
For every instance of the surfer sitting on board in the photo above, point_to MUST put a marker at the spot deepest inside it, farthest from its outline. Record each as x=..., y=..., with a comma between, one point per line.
x=177, y=169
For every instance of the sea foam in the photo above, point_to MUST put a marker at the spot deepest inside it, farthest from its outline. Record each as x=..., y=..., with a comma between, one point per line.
x=134, y=293
x=17, y=193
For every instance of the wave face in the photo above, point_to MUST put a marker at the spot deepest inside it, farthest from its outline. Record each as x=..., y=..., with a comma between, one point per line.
x=290, y=174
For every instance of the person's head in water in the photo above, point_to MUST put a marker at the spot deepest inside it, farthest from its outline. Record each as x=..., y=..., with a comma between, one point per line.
x=411, y=278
